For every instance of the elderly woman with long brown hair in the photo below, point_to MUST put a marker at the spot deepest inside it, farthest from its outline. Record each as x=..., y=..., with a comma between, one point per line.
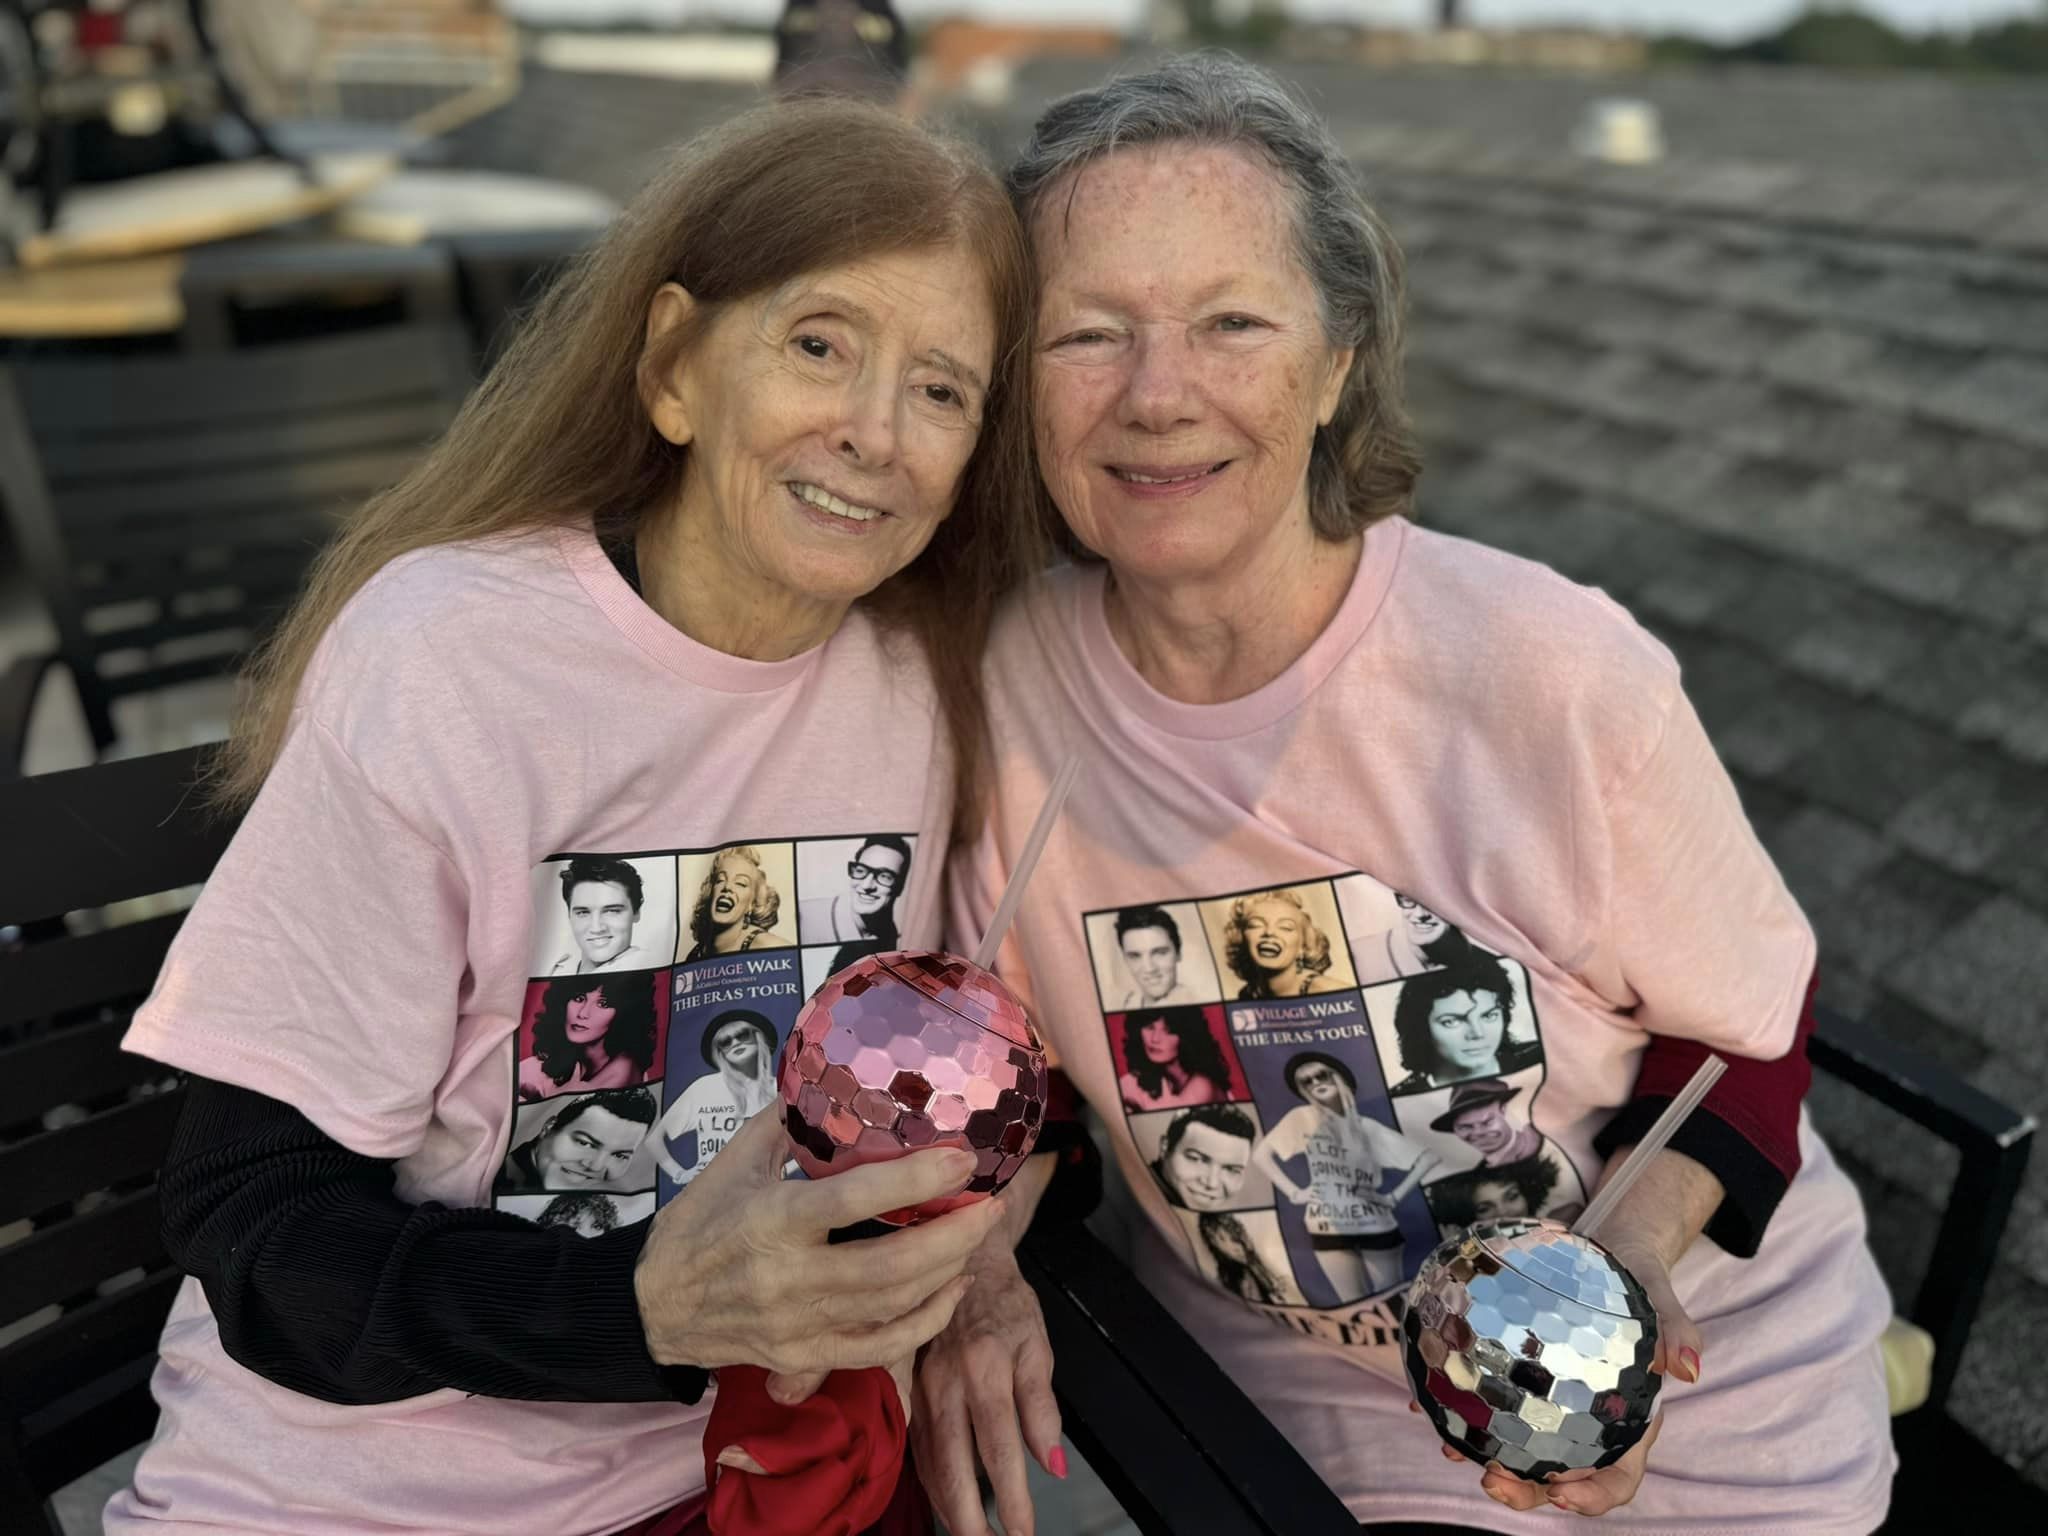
x=748, y=480
x=1275, y=679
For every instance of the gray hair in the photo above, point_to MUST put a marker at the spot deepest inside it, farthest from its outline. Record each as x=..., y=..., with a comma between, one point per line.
x=1364, y=465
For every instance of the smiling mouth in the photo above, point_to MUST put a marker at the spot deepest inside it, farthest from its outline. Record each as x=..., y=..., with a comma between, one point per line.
x=817, y=496
x=723, y=904
x=1267, y=951
x=1167, y=476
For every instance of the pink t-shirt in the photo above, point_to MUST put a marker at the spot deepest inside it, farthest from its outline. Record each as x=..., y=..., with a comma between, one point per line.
x=1472, y=847
x=456, y=930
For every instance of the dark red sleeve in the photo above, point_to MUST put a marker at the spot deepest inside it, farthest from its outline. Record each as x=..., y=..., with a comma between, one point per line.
x=1746, y=1133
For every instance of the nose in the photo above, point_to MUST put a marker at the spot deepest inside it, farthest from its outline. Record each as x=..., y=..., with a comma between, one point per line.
x=1159, y=395
x=867, y=435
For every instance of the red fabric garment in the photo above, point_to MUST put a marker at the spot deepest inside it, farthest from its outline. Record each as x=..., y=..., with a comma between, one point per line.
x=1758, y=1099
x=832, y=1462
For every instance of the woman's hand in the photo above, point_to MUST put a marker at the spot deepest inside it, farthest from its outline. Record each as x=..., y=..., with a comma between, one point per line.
x=1586, y=1491
x=986, y=1383
x=735, y=1270
x=1300, y=1194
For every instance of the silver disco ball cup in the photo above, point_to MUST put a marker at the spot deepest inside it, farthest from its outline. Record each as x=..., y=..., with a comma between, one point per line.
x=1531, y=1346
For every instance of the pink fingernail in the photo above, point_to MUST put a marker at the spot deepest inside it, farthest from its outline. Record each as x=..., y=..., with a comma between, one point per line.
x=1056, y=1461
x=1691, y=1357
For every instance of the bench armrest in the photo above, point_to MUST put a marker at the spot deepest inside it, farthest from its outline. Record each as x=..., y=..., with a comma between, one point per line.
x=1995, y=1141
x=1176, y=1441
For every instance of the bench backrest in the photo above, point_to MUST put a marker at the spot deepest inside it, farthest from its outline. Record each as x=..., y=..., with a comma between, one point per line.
x=91, y=891
x=167, y=506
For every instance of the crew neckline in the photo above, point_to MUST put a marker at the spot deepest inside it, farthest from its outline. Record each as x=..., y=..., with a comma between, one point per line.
x=1264, y=706
x=661, y=640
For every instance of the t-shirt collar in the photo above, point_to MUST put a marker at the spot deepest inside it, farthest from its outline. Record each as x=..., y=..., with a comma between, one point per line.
x=667, y=645
x=1127, y=689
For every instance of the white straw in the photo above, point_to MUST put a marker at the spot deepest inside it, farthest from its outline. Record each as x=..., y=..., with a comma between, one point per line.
x=1588, y=1225
x=1034, y=845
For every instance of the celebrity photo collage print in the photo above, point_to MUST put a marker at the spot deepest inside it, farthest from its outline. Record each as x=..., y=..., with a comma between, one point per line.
x=662, y=985
x=1324, y=1079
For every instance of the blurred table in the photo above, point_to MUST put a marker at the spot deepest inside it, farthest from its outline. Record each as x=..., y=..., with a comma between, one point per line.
x=500, y=229
x=107, y=298
x=417, y=205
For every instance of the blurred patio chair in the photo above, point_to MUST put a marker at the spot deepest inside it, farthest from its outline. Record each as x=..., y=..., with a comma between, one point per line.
x=167, y=507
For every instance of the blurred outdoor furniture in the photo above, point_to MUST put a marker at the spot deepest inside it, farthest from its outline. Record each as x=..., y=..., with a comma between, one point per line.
x=104, y=862
x=253, y=292
x=167, y=506
x=499, y=235
x=424, y=65
x=171, y=210
x=137, y=297
x=144, y=69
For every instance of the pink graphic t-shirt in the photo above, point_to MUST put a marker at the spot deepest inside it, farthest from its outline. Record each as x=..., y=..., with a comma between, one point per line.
x=1373, y=952
x=518, y=909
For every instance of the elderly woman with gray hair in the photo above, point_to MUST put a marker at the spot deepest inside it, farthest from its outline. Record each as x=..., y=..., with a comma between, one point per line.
x=1276, y=679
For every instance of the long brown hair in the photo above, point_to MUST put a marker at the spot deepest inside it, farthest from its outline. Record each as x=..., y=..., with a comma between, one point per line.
x=558, y=433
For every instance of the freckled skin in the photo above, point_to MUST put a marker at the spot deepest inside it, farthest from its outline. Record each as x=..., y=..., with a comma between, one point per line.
x=840, y=379
x=1176, y=328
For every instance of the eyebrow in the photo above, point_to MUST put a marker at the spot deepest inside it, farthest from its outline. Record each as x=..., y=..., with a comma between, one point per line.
x=1208, y=294
x=860, y=314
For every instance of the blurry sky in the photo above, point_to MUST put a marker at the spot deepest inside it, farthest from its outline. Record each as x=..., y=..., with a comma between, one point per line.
x=1720, y=19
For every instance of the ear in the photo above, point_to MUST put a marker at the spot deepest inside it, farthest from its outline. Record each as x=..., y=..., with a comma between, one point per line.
x=1333, y=387
x=667, y=313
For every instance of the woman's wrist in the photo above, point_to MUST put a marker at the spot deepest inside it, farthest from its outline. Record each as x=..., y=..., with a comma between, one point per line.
x=1020, y=1201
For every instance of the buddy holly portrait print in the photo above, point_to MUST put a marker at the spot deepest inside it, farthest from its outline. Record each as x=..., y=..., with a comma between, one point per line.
x=1324, y=1078
x=661, y=987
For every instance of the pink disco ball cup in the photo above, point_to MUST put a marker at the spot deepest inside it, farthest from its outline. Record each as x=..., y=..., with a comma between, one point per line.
x=908, y=1050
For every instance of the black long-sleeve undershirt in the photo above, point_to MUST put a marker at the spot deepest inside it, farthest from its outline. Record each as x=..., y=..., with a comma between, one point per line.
x=323, y=1280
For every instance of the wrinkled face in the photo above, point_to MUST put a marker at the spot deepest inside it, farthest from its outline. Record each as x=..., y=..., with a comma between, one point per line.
x=1322, y=1087
x=1182, y=368
x=594, y=1148
x=735, y=884
x=588, y=1017
x=601, y=918
x=1162, y=1045
x=1206, y=1167
x=738, y=1045
x=1424, y=926
x=1153, y=962
x=1485, y=1128
x=1273, y=933
x=1467, y=1027
x=874, y=875
x=1497, y=1201
x=829, y=421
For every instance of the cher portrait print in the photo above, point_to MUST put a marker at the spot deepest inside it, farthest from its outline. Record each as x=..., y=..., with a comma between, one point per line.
x=591, y=1032
x=1172, y=1057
